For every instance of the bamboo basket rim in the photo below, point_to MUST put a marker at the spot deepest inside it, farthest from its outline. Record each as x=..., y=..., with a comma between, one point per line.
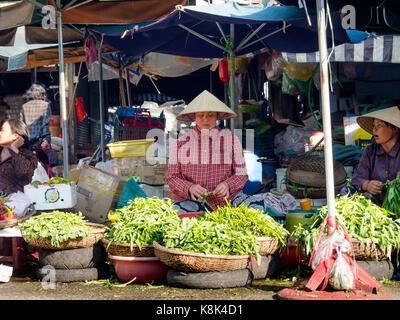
x=96, y=233
x=160, y=247
x=4, y=224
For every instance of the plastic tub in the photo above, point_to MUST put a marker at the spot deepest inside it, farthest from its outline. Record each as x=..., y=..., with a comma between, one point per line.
x=254, y=172
x=144, y=269
x=131, y=148
x=295, y=217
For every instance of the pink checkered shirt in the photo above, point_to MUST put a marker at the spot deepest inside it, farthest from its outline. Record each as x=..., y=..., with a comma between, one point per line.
x=207, y=160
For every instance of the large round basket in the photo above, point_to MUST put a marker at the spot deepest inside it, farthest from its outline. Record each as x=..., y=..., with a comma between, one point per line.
x=310, y=192
x=124, y=249
x=268, y=245
x=367, y=250
x=310, y=171
x=199, y=262
x=30, y=211
x=96, y=233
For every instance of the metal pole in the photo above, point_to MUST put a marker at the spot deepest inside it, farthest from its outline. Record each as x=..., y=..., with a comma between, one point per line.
x=326, y=113
x=101, y=104
x=232, y=76
x=63, y=105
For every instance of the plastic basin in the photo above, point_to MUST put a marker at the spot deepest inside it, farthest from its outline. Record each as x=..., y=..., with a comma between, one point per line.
x=190, y=215
x=145, y=269
x=288, y=256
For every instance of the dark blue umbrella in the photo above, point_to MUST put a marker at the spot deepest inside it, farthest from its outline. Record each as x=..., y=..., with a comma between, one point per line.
x=206, y=32
x=228, y=29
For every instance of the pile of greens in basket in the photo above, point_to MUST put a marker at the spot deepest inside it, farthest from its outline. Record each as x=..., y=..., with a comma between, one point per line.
x=198, y=235
x=58, y=226
x=251, y=220
x=141, y=221
x=361, y=218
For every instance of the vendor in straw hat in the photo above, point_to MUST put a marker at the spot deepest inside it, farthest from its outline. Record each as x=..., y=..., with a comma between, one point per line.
x=206, y=162
x=380, y=161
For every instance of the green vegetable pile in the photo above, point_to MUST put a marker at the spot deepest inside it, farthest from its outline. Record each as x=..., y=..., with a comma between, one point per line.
x=58, y=226
x=391, y=201
x=142, y=221
x=361, y=218
x=251, y=220
x=209, y=237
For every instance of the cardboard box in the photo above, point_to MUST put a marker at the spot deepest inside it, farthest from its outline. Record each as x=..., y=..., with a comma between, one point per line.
x=98, y=192
x=152, y=171
x=52, y=196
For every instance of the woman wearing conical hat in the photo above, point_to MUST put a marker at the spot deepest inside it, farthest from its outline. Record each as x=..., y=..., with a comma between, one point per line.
x=380, y=161
x=207, y=162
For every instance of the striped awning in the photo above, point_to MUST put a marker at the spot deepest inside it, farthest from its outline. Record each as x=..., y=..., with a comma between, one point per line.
x=385, y=48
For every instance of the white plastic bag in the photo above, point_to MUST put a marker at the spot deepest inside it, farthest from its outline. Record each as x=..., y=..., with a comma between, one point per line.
x=40, y=174
x=341, y=276
x=327, y=245
x=107, y=166
x=20, y=202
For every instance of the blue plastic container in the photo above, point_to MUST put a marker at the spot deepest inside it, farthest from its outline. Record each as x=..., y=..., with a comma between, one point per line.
x=254, y=171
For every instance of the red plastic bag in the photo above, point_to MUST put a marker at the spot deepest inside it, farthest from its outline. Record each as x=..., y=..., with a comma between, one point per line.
x=223, y=70
x=80, y=110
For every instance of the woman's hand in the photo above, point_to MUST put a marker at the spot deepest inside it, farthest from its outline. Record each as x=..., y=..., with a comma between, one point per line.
x=222, y=190
x=196, y=191
x=374, y=186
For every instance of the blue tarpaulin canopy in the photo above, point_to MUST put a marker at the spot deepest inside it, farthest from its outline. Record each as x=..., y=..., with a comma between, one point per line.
x=204, y=31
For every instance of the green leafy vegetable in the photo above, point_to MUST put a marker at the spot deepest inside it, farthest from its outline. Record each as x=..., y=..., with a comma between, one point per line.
x=207, y=237
x=243, y=218
x=142, y=221
x=391, y=201
x=361, y=218
x=58, y=226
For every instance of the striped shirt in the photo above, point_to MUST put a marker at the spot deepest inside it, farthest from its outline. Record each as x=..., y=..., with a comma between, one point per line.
x=207, y=160
x=376, y=164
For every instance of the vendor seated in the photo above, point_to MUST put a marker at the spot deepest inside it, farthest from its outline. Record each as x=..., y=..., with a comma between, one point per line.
x=380, y=161
x=206, y=162
x=17, y=162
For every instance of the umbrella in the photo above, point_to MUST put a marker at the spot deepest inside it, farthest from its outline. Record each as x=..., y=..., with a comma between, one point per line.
x=228, y=29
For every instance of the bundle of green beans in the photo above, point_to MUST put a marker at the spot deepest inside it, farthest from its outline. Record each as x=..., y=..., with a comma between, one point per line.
x=57, y=225
x=244, y=218
x=142, y=221
x=209, y=237
x=361, y=218
x=391, y=201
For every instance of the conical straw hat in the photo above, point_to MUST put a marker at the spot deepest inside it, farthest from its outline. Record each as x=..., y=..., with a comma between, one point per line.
x=390, y=115
x=204, y=102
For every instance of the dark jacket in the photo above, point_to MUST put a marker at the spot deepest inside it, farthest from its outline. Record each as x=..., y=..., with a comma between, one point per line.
x=17, y=171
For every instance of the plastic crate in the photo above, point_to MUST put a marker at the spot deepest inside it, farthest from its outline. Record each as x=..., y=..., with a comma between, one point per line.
x=131, y=148
x=137, y=128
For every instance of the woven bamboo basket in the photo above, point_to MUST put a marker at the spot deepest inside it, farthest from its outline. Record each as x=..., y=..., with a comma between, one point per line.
x=310, y=192
x=12, y=223
x=310, y=171
x=268, y=245
x=96, y=233
x=199, y=262
x=367, y=250
x=124, y=249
